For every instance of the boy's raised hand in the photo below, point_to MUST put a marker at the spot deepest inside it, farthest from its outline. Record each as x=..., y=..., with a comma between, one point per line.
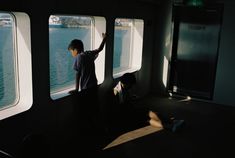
x=104, y=35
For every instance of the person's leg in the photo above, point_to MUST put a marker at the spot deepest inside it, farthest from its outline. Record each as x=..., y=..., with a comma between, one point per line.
x=154, y=116
x=155, y=120
x=155, y=123
x=170, y=124
x=177, y=125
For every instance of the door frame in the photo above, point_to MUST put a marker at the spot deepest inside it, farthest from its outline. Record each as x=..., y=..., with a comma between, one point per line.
x=175, y=36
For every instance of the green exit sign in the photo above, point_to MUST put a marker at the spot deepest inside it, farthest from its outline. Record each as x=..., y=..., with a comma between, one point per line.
x=195, y=2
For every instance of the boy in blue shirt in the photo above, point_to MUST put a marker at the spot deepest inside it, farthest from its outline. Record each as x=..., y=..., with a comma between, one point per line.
x=84, y=64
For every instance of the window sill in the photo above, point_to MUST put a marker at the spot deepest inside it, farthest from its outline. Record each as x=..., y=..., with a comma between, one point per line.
x=61, y=93
x=120, y=71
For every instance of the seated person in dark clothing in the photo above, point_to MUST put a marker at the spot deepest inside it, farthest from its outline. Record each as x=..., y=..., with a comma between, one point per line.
x=134, y=117
x=121, y=90
x=123, y=116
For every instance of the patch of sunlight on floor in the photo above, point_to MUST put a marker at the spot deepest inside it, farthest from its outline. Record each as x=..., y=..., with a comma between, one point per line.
x=133, y=135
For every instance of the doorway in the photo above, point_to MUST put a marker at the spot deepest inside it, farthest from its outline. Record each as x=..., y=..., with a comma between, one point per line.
x=195, y=47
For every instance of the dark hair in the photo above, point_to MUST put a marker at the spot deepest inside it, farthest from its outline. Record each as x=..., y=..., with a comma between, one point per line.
x=128, y=79
x=76, y=44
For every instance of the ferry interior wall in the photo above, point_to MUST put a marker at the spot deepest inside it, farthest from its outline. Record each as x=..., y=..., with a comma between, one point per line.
x=187, y=66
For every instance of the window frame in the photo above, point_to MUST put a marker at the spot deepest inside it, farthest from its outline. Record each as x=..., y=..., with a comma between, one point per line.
x=22, y=66
x=132, y=64
x=98, y=25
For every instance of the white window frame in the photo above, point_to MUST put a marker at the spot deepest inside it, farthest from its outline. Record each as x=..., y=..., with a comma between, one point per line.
x=23, y=66
x=98, y=27
x=136, y=47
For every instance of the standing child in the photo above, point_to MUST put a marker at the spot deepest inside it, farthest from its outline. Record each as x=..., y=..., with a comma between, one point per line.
x=84, y=64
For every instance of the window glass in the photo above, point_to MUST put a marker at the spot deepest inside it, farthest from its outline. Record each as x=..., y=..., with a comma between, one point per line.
x=16, y=89
x=122, y=40
x=128, y=39
x=8, y=77
x=63, y=29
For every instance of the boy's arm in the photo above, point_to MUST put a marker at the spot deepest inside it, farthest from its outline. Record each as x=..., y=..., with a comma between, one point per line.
x=77, y=85
x=102, y=43
x=77, y=81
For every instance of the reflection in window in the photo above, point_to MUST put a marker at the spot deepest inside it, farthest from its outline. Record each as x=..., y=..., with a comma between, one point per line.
x=62, y=29
x=8, y=77
x=128, y=37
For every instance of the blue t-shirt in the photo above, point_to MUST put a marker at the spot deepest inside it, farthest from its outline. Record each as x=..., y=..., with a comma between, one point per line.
x=84, y=64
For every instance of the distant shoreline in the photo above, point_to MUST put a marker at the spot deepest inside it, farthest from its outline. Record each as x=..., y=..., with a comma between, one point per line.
x=68, y=26
x=81, y=26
